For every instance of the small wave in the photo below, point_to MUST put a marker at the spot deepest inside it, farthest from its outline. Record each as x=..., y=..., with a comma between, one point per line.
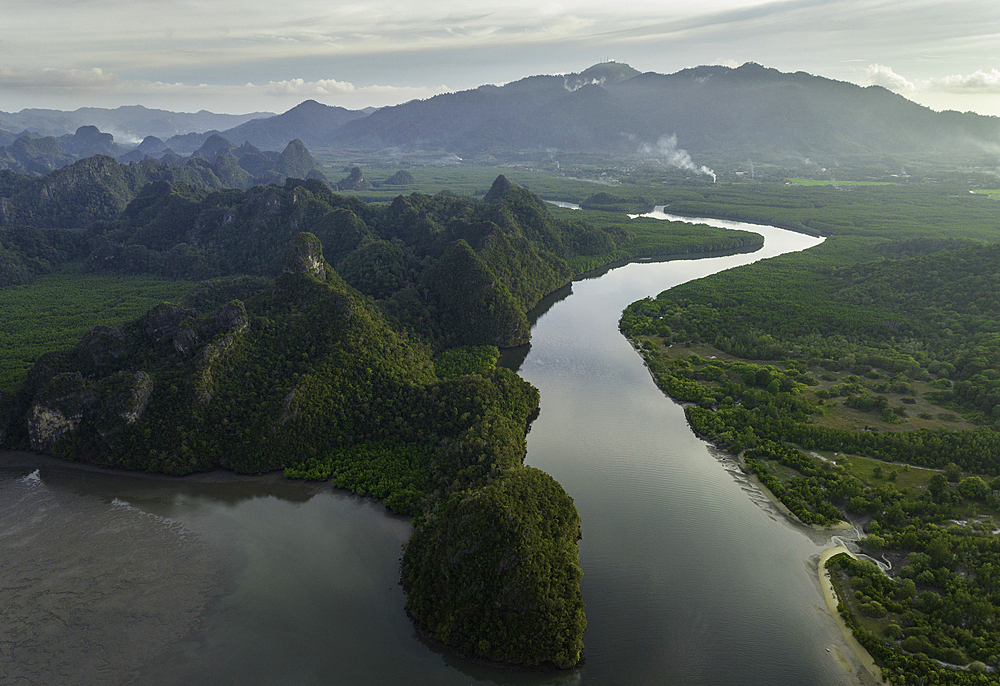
x=118, y=502
x=172, y=524
x=32, y=479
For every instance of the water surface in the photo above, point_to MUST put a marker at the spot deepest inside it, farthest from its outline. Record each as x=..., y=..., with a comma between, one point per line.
x=690, y=575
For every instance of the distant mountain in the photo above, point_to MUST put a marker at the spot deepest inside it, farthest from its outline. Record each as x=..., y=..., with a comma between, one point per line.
x=216, y=163
x=613, y=109
x=607, y=109
x=600, y=74
x=131, y=123
x=311, y=122
x=34, y=155
x=89, y=141
x=96, y=188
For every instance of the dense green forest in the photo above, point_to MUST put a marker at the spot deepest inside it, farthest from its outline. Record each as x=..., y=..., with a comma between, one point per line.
x=835, y=373
x=57, y=310
x=890, y=212
x=308, y=375
x=453, y=270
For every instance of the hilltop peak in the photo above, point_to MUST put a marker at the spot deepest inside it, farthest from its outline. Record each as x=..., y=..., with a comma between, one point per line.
x=500, y=186
x=311, y=106
x=306, y=257
x=604, y=72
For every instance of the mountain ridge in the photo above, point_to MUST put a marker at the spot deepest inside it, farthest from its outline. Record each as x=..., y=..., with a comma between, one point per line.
x=612, y=109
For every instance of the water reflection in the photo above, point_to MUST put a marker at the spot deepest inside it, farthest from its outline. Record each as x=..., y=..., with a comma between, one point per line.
x=140, y=579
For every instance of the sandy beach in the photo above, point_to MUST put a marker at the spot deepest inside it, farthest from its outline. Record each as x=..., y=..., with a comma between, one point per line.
x=829, y=595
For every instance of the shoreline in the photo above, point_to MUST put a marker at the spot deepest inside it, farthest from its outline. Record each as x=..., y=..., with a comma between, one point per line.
x=830, y=596
x=869, y=673
x=826, y=583
x=599, y=271
x=842, y=525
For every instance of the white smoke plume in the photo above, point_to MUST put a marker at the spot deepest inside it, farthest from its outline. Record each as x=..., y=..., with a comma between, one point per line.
x=578, y=83
x=667, y=148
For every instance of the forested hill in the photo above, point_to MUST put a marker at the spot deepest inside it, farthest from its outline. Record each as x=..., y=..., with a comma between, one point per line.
x=308, y=375
x=452, y=270
x=214, y=160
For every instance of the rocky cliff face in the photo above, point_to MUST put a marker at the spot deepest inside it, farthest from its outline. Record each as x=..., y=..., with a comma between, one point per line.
x=108, y=392
x=110, y=404
x=306, y=257
x=58, y=410
x=355, y=181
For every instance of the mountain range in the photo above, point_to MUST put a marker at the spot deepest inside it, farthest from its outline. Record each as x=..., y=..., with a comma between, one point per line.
x=613, y=109
x=609, y=109
x=129, y=123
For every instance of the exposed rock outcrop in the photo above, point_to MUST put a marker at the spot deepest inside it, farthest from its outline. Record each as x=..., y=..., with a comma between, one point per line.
x=69, y=401
x=58, y=410
x=354, y=181
x=306, y=257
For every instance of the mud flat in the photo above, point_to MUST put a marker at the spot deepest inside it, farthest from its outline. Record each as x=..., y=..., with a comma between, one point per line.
x=91, y=589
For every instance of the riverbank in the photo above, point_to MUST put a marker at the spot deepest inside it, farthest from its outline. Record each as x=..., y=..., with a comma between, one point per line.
x=871, y=670
x=839, y=526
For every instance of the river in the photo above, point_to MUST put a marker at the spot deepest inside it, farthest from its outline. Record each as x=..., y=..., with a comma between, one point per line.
x=690, y=575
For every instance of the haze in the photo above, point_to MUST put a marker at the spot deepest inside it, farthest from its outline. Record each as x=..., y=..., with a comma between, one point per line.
x=226, y=56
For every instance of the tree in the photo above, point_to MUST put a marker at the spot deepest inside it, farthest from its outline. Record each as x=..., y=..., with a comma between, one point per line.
x=973, y=488
x=953, y=472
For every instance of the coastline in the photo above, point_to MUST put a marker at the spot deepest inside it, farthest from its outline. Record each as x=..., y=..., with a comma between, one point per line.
x=839, y=526
x=830, y=596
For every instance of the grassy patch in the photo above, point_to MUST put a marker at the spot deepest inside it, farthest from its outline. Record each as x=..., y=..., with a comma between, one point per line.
x=920, y=412
x=993, y=194
x=55, y=311
x=835, y=182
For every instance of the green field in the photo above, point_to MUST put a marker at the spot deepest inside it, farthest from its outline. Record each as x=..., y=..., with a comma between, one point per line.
x=993, y=194
x=463, y=180
x=835, y=182
x=55, y=311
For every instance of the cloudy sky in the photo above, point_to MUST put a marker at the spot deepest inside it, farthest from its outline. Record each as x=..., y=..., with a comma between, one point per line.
x=262, y=55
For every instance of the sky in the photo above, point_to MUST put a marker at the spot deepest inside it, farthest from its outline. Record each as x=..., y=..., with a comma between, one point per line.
x=262, y=55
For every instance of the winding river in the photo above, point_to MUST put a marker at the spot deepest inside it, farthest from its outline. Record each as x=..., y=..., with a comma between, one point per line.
x=690, y=575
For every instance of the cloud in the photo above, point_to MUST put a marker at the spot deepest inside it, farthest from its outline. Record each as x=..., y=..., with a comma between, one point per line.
x=332, y=87
x=14, y=78
x=976, y=82
x=881, y=75
x=273, y=94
